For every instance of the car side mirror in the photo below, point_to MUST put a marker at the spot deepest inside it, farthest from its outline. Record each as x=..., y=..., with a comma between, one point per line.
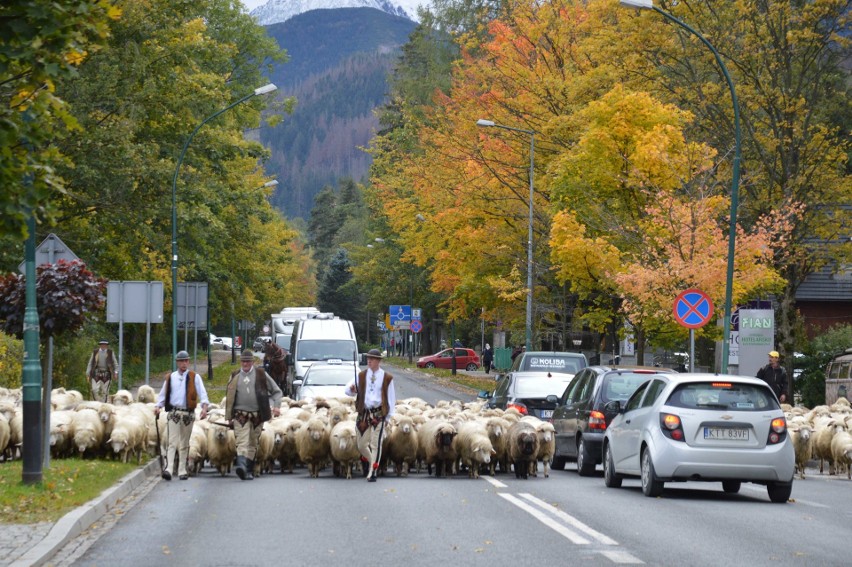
x=483, y=395
x=297, y=382
x=613, y=407
x=552, y=399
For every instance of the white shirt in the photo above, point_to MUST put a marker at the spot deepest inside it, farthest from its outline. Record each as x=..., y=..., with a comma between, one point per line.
x=373, y=393
x=177, y=394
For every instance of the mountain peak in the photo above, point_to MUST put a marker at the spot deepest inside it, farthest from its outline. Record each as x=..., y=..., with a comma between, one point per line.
x=276, y=11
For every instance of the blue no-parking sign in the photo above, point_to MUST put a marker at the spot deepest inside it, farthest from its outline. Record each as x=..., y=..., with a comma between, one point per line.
x=693, y=308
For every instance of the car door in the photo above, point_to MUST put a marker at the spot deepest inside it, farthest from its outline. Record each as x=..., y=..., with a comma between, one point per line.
x=445, y=359
x=639, y=422
x=623, y=433
x=563, y=411
x=462, y=357
x=575, y=409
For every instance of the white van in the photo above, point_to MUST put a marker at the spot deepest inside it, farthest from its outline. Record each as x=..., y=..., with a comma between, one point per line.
x=321, y=339
x=282, y=323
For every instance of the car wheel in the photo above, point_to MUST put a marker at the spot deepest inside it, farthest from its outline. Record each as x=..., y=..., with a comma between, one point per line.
x=779, y=492
x=731, y=486
x=558, y=463
x=585, y=462
x=430, y=365
x=471, y=367
x=651, y=486
x=611, y=478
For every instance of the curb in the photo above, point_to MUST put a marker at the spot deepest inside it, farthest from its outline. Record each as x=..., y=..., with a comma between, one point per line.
x=80, y=519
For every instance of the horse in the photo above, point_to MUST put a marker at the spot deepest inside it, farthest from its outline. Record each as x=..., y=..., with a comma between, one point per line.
x=276, y=364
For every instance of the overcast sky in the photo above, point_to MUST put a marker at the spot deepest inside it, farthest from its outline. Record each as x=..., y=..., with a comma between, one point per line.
x=252, y=4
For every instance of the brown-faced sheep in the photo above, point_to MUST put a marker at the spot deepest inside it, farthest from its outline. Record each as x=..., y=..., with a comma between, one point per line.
x=344, y=448
x=312, y=443
x=436, y=446
x=402, y=444
x=523, y=447
x=473, y=447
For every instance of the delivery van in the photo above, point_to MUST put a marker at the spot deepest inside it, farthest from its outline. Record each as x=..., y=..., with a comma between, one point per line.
x=323, y=337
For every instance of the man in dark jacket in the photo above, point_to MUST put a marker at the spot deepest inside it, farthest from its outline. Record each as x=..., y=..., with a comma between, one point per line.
x=775, y=375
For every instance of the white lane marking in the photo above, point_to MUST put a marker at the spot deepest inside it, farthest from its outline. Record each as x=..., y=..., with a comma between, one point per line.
x=617, y=556
x=547, y=521
x=572, y=521
x=494, y=481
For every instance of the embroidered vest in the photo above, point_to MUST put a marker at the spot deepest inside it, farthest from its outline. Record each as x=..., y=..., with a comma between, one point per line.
x=362, y=387
x=191, y=392
x=261, y=390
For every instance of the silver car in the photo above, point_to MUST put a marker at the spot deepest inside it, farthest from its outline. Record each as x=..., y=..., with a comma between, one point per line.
x=700, y=427
x=324, y=380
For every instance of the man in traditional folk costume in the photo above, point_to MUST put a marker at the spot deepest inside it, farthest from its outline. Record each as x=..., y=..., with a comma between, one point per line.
x=102, y=368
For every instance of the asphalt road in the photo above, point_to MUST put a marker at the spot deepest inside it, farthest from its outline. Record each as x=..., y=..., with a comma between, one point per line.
x=419, y=520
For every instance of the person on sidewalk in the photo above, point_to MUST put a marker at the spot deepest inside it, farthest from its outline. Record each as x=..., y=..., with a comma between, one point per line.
x=181, y=393
x=100, y=371
x=252, y=398
x=775, y=375
x=375, y=402
x=487, y=358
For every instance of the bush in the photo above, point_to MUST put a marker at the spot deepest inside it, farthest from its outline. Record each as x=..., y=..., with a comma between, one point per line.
x=11, y=361
x=811, y=383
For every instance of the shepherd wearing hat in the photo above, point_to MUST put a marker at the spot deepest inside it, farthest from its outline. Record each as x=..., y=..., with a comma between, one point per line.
x=100, y=371
x=375, y=402
x=181, y=393
x=253, y=397
x=775, y=375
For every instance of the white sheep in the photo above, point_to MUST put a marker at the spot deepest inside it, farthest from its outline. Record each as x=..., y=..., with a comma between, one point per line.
x=436, y=446
x=285, y=429
x=344, y=448
x=60, y=433
x=312, y=444
x=546, y=447
x=497, y=428
x=264, y=459
x=473, y=447
x=821, y=444
x=800, y=437
x=221, y=447
x=87, y=432
x=60, y=399
x=197, y=446
x=129, y=436
x=122, y=398
x=402, y=444
x=841, y=451
x=5, y=434
x=145, y=394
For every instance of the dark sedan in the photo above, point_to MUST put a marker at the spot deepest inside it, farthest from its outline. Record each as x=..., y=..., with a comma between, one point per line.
x=582, y=416
x=531, y=393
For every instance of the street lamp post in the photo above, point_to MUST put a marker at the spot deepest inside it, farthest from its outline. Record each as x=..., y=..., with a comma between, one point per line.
x=490, y=123
x=257, y=92
x=735, y=180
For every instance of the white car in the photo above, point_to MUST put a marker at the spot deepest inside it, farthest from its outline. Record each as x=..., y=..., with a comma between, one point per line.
x=700, y=427
x=224, y=342
x=324, y=380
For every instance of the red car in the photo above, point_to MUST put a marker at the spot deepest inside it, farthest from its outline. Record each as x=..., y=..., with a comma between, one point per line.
x=466, y=358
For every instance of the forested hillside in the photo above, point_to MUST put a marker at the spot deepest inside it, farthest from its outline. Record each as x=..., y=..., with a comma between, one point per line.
x=338, y=67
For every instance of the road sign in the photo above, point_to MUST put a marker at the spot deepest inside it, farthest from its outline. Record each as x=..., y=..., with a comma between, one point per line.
x=693, y=309
x=416, y=326
x=50, y=251
x=415, y=313
x=399, y=313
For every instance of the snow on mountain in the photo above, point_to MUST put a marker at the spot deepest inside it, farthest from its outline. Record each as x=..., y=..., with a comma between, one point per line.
x=276, y=11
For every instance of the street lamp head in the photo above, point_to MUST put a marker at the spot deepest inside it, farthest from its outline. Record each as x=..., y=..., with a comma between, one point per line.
x=265, y=89
x=483, y=122
x=640, y=4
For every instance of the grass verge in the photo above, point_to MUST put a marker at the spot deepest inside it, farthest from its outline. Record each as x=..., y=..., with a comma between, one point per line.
x=67, y=484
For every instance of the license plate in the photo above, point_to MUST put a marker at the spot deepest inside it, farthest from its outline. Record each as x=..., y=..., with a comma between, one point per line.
x=726, y=434
x=548, y=413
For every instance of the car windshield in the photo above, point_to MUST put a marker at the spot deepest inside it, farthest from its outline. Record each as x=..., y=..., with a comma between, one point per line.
x=326, y=350
x=622, y=385
x=329, y=376
x=728, y=396
x=540, y=387
x=552, y=363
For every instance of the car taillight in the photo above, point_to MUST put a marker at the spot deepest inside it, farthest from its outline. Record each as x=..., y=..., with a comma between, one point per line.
x=597, y=420
x=671, y=427
x=777, y=430
x=522, y=408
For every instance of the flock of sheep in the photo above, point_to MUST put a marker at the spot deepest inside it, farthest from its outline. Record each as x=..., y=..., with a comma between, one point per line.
x=447, y=438
x=823, y=433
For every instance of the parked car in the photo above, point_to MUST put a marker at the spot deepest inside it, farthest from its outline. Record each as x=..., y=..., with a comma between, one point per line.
x=549, y=361
x=466, y=358
x=700, y=427
x=581, y=416
x=260, y=342
x=324, y=379
x=224, y=343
